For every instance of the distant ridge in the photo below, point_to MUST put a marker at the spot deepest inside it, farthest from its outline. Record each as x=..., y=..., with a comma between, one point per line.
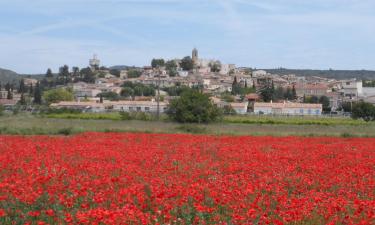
x=123, y=67
x=13, y=77
x=335, y=74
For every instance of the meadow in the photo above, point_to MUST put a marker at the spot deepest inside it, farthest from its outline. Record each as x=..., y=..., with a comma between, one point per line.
x=139, y=178
x=28, y=124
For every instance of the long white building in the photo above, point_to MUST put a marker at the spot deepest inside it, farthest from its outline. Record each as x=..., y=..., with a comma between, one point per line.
x=288, y=108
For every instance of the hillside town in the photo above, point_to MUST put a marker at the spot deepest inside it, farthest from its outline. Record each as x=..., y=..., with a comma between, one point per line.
x=237, y=90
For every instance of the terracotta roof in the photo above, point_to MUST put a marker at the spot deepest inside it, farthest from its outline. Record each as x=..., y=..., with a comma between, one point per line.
x=8, y=102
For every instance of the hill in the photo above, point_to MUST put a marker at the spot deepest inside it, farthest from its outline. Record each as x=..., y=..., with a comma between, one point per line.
x=335, y=74
x=13, y=77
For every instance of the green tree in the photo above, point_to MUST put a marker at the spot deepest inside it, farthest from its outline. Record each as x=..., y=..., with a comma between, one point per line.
x=267, y=92
x=193, y=107
x=215, y=66
x=37, y=94
x=115, y=72
x=87, y=75
x=111, y=96
x=127, y=92
x=64, y=75
x=171, y=67
x=363, y=110
x=49, y=73
x=324, y=100
x=157, y=63
x=21, y=87
x=187, y=63
x=10, y=94
x=133, y=73
x=57, y=95
x=22, y=101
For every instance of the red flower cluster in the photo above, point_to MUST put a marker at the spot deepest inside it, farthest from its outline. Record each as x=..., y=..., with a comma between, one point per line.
x=113, y=178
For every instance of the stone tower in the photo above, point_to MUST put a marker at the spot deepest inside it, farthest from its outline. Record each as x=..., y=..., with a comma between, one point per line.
x=195, y=56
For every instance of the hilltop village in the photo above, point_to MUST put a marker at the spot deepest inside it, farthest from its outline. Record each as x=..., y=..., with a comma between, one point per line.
x=149, y=89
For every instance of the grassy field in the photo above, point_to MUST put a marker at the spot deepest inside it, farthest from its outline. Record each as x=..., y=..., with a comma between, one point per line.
x=29, y=124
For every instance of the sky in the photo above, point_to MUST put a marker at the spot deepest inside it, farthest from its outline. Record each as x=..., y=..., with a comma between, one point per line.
x=315, y=34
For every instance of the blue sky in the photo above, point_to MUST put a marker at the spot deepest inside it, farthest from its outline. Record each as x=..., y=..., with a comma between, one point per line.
x=318, y=34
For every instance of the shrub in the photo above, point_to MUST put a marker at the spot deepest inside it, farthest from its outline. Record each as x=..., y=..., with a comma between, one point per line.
x=363, y=110
x=193, y=107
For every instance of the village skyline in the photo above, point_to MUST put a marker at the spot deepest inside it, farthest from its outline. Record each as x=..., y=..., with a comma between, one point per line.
x=263, y=34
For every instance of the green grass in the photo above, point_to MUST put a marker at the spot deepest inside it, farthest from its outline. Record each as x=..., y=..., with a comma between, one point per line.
x=27, y=124
x=306, y=120
x=85, y=116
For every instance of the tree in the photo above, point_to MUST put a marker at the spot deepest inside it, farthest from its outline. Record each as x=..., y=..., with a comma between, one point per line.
x=215, y=66
x=187, y=63
x=171, y=67
x=294, y=93
x=127, y=92
x=37, y=94
x=157, y=63
x=31, y=89
x=57, y=95
x=363, y=110
x=111, y=96
x=64, y=75
x=49, y=73
x=88, y=75
x=22, y=100
x=267, y=92
x=21, y=88
x=193, y=107
x=324, y=100
x=133, y=73
x=115, y=72
x=10, y=94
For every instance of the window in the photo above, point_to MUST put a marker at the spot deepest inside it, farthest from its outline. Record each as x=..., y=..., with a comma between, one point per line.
x=131, y=109
x=147, y=109
x=317, y=112
x=309, y=111
x=347, y=83
x=139, y=109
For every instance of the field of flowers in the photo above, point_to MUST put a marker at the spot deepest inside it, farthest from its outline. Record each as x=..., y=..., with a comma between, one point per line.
x=113, y=178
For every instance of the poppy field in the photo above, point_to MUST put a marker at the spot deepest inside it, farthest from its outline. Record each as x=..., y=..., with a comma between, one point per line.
x=138, y=178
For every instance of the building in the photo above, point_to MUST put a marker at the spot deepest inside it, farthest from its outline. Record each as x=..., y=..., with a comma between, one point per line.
x=194, y=56
x=120, y=106
x=309, y=89
x=139, y=106
x=94, y=63
x=288, y=108
x=239, y=107
x=352, y=88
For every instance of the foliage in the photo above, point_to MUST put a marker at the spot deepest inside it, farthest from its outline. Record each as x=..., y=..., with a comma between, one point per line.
x=87, y=75
x=227, y=97
x=115, y=72
x=267, y=92
x=57, y=95
x=363, y=110
x=171, y=67
x=137, y=89
x=215, y=66
x=175, y=90
x=134, y=73
x=38, y=94
x=193, y=107
x=157, y=63
x=111, y=96
x=187, y=63
x=324, y=100
x=1, y=110
x=368, y=83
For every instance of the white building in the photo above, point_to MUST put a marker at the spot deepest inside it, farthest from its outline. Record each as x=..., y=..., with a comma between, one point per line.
x=288, y=108
x=240, y=108
x=352, y=88
x=120, y=106
x=139, y=106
